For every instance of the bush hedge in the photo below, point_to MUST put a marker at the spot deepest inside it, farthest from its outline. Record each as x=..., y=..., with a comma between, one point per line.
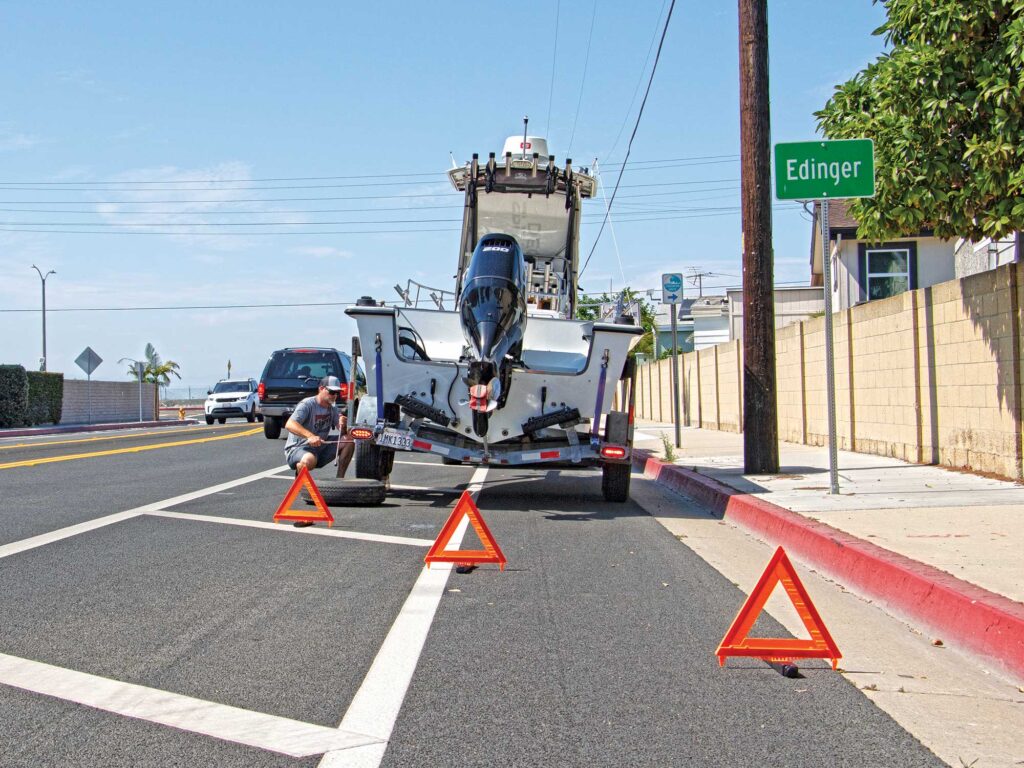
x=13, y=396
x=45, y=397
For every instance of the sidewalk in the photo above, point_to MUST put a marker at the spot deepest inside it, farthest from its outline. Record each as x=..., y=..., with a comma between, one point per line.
x=943, y=549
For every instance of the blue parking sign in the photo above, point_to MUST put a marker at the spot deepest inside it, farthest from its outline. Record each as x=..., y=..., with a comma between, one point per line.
x=672, y=288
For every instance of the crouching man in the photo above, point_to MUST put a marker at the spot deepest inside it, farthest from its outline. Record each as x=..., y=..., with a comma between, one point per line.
x=309, y=427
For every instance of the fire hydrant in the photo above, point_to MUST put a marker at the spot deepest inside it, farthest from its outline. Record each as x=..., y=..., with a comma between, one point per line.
x=181, y=413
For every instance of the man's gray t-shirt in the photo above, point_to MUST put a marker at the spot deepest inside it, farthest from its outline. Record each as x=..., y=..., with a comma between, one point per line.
x=317, y=418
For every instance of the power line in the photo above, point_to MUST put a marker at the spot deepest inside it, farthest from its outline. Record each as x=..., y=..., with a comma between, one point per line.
x=314, y=223
x=205, y=306
x=629, y=147
x=554, y=59
x=636, y=90
x=638, y=217
x=583, y=79
x=313, y=199
x=226, y=181
x=84, y=186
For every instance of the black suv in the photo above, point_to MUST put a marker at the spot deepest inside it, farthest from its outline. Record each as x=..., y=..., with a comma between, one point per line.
x=294, y=374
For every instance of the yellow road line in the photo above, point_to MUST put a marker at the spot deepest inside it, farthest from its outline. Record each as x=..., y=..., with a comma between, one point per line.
x=161, y=431
x=137, y=449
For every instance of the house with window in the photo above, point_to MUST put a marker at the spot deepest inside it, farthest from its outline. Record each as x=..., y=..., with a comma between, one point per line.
x=864, y=271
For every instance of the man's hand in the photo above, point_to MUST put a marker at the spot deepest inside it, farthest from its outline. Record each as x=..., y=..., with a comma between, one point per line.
x=343, y=423
x=315, y=441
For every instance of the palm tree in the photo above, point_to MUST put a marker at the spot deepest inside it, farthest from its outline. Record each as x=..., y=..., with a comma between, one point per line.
x=156, y=370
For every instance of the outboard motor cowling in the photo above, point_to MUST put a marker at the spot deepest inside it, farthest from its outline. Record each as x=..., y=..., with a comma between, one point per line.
x=492, y=312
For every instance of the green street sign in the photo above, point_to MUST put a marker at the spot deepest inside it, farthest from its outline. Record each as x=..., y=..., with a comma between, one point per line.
x=814, y=170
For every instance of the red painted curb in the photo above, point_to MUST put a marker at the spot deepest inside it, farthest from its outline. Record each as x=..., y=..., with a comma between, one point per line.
x=956, y=611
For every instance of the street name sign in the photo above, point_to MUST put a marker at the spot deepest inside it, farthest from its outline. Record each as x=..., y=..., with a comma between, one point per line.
x=672, y=288
x=88, y=361
x=817, y=170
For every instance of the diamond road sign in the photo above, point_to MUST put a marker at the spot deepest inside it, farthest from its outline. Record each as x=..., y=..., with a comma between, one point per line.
x=672, y=288
x=88, y=361
x=815, y=170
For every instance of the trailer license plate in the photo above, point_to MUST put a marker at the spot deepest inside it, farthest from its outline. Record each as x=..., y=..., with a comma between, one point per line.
x=392, y=438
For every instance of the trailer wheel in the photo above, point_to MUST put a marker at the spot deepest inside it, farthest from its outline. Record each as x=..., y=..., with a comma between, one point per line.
x=615, y=481
x=349, y=493
x=372, y=461
x=272, y=427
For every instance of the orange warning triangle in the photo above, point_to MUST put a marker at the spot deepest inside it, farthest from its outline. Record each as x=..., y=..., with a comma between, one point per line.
x=317, y=514
x=491, y=553
x=736, y=643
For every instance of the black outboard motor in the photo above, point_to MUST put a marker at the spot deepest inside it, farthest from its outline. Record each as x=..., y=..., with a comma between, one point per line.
x=492, y=310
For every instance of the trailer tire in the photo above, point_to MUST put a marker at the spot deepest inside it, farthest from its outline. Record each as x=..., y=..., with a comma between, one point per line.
x=349, y=493
x=451, y=462
x=615, y=481
x=272, y=427
x=372, y=461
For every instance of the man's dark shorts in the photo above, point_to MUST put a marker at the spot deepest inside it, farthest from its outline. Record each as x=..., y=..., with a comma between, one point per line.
x=325, y=454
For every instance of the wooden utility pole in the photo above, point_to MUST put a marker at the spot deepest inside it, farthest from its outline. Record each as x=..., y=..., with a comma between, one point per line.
x=760, y=427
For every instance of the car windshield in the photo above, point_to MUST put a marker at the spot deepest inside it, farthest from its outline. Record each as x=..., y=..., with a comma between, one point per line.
x=304, y=365
x=231, y=386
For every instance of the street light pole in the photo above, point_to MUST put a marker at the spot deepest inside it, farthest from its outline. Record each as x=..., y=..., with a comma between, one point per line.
x=42, y=278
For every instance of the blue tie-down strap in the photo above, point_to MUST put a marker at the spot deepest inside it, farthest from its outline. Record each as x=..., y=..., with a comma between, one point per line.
x=378, y=373
x=596, y=424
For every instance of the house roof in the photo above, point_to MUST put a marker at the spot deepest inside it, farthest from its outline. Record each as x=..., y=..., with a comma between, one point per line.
x=838, y=214
x=710, y=306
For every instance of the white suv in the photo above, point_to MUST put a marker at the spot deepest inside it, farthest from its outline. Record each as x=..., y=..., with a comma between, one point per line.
x=233, y=397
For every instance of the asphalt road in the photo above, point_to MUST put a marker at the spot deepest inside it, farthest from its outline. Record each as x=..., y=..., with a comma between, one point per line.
x=594, y=647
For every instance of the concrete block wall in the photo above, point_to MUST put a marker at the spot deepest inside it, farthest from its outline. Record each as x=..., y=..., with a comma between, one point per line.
x=930, y=376
x=112, y=401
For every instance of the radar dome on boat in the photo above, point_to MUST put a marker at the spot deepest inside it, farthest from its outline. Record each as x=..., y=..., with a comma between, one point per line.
x=514, y=144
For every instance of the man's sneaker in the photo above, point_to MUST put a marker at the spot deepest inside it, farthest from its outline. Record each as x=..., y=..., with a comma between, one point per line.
x=303, y=523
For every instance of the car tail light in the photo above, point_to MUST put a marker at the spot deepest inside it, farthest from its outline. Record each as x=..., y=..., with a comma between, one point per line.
x=345, y=393
x=261, y=390
x=613, y=452
x=361, y=433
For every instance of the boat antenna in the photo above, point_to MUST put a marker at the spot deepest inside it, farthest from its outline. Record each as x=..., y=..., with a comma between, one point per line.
x=526, y=120
x=452, y=156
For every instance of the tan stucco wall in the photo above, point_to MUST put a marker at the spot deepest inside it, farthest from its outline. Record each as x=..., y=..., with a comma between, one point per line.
x=932, y=376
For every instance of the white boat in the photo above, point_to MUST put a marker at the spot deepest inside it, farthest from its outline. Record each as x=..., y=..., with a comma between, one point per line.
x=509, y=377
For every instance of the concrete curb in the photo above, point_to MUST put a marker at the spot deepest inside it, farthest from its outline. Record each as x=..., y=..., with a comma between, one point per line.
x=959, y=613
x=92, y=428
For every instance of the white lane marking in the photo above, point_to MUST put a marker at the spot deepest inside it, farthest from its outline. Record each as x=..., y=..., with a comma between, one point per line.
x=72, y=530
x=375, y=707
x=378, y=537
x=90, y=525
x=242, y=726
x=192, y=496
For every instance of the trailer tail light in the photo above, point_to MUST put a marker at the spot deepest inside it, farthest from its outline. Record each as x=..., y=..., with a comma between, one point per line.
x=361, y=433
x=261, y=390
x=613, y=452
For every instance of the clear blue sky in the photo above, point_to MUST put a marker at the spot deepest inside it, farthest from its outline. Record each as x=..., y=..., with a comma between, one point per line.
x=191, y=95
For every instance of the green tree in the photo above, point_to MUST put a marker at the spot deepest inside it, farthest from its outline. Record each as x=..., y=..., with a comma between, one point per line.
x=589, y=308
x=945, y=107
x=156, y=370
